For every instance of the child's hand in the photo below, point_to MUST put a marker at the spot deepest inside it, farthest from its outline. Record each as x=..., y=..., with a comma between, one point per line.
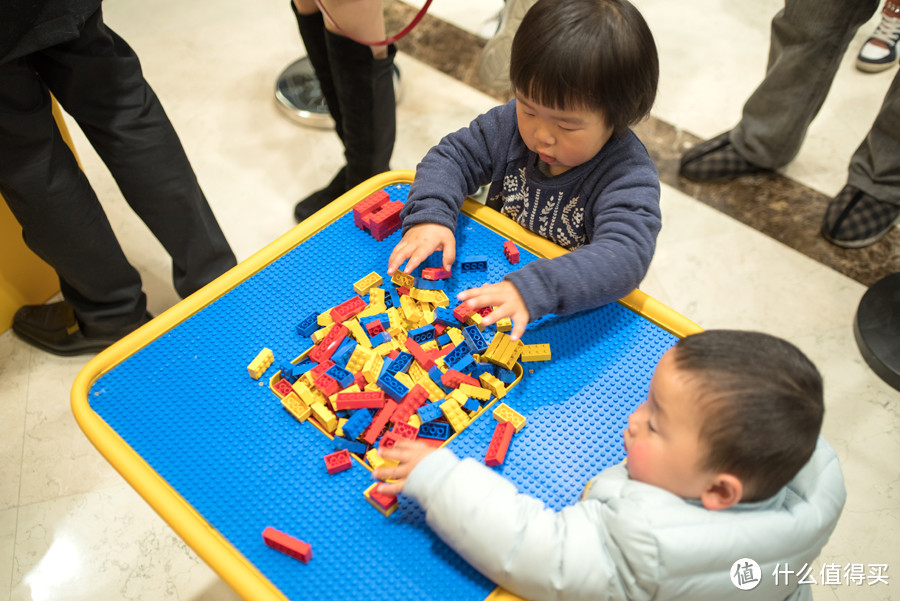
x=418, y=243
x=408, y=454
x=506, y=300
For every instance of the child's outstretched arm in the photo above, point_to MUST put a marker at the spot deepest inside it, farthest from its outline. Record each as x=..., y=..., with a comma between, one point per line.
x=512, y=538
x=418, y=243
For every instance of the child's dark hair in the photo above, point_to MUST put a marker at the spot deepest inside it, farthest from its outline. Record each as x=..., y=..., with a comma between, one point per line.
x=762, y=407
x=587, y=54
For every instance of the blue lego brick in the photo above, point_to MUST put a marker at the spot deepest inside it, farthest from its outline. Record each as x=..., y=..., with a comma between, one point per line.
x=392, y=298
x=380, y=338
x=211, y=451
x=392, y=387
x=482, y=368
x=423, y=334
x=444, y=317
x=471, y=405
x=400, y=363
x=341, y=375
x=354, y=446
x=357, y=423
x=437, y=430
x=430, y=412
x=443, y=340
x=287, y=370
x=343, y=352
x=429, y=284
x=464, y=365
x=507, y=376
x=473, y=263
x=475, y=339
x=459, y=352
x=308, y=325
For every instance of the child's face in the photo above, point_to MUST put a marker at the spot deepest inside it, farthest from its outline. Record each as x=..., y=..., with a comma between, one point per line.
x=562, y=138
x=663, y=435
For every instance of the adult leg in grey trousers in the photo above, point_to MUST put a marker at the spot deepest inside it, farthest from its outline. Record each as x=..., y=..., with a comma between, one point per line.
x=98, y=80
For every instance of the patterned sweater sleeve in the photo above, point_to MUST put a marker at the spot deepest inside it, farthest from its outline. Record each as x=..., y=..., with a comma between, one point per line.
x=455, y=168
x=624, y=222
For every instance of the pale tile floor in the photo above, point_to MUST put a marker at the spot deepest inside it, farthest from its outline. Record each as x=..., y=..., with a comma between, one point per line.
x=70, y=528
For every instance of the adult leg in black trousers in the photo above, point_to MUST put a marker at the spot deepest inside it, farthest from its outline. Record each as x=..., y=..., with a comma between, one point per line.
x=98, y=80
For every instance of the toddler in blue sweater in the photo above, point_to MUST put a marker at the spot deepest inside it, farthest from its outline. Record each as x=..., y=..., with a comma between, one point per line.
x=560, y=160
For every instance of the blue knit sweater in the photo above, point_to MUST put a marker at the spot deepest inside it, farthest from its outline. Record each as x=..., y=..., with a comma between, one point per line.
x=606, y=211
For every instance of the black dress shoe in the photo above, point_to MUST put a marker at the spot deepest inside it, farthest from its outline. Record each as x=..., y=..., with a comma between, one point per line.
x=318, y=200
x=54, y=328
x=716, y=160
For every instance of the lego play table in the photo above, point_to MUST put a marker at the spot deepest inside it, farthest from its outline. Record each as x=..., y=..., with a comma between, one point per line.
x=173, y=409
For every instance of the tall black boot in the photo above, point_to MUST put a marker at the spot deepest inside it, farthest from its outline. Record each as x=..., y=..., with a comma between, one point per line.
x=312, y=32
x=365, y=90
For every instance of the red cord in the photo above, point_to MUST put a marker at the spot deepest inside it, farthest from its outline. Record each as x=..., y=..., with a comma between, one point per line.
x=385, y=42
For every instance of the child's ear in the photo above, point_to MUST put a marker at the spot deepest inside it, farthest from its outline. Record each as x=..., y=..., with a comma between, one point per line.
x=725, y=490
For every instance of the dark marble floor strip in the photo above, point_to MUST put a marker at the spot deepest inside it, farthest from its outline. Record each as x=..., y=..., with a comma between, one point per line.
x=771, y=203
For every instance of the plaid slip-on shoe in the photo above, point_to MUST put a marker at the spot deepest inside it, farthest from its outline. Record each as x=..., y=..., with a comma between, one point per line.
x=715, y=160
x=854, y=219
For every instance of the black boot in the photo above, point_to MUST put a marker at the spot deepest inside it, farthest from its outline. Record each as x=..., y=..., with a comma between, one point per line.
x=364, y=87
x=312, y=32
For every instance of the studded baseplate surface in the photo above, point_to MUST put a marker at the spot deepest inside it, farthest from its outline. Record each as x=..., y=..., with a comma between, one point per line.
x=223, y=442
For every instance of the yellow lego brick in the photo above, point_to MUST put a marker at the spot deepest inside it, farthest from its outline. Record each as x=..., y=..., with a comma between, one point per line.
x=340, y=427
x=358, y=358
x=385, y=347
x=324, y=416
x=428, y=314
x=494, y=384
x=404, y=280
x=358, y=333
x=324, y=319
x=475, y=392
x=504, y=325
x=435, y=392
x=296, y=407
x=535, y=352
x=372, y=388
x=505, y=413
x=442, y=365
x=394, y=316
x=414, y=420
x=370, y=281
x=503, y=351
x=260, y=363
x=455, y=415
x=319, y=334
x=416, y=371
x=372, y=368
x=419, y=294
x=512, y=352
x=376, y=304
x=494, y=349
x=456, y=335
x=430, y=345
x=376, y=460
x=475, y=320
x=404, y=379
x=303, y=391
x=458, y=396
x=440, y=299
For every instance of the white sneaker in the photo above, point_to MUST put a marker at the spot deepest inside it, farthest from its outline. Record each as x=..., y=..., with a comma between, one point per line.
x=493, y=66
x=874, y=57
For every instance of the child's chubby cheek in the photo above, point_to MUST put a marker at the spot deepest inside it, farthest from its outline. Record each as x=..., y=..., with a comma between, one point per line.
x=638, y=462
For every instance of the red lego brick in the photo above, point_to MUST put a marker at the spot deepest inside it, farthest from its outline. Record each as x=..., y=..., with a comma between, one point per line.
x=320, y=369
x=511, y=251
x=432, y=442
x=414, y=399
x=374, y=328
x=287, y=544
x=388, y=439
x=439, y=329
x=332, y=340
x=435, y=273
x=484, y=311
x=383, y=500
x=379, y=421
x=496, y=452
x=403, y=290
x=453, y=379
x=360, y=380
x=283, y=388
x=367, y=205
x=327, y=385
x=462, y=311
x=437, y=353
x=347, y=309
x=394, y=354
x=419, y=354
x=338, y=461
x=404, y=430
x=359, y=400
x=385, y=220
